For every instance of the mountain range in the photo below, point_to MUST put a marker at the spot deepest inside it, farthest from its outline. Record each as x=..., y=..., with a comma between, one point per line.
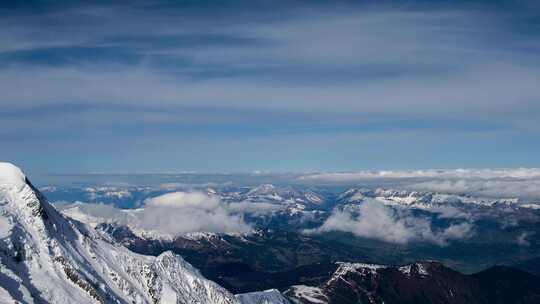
x=49, y=258
x=46, y=256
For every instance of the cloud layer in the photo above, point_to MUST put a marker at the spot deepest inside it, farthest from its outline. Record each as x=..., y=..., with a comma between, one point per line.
x=375, y=221
x=175, y=213
x=496, y=183
x=517, y=173
x=223, y=80
x=526, y=189
x=181, y=212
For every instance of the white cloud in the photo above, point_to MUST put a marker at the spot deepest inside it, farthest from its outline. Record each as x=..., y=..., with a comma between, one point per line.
x=471, y=77
x=182, y=212
x=497, y=183
x=357, y=66
x=183, y=200
x=449, y=212
x=174, y=213
x=96, y=213
x=254, y=207
x=376, y=221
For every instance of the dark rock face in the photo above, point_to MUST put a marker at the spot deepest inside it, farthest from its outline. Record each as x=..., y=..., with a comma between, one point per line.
x=501, y=284
x=392, y=285
x=426, y=283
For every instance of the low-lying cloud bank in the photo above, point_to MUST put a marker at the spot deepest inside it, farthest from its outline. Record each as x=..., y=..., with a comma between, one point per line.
x=182, y=212
x=174, y=214
x=375, y=221
x=517, y=173
x=498, y=183
x=529, y=189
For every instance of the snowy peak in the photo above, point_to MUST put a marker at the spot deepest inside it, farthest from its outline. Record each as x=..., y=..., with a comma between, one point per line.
x=11, y=175
x=264, y=192
x=48, y=258
x=21, y=202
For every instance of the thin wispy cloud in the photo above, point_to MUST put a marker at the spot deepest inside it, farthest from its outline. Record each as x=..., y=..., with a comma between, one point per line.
x=110, y=72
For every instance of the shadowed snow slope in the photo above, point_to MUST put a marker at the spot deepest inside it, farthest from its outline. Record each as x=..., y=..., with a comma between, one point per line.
x=48, y=258
x=271, y=296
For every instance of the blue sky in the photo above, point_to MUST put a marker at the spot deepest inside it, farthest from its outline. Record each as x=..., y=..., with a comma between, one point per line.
x=235, y=86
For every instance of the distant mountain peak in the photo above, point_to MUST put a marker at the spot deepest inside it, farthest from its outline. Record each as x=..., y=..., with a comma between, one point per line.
x=263, y=189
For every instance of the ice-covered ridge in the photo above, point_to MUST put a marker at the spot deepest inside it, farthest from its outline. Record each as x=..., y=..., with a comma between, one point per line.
x=48, y=258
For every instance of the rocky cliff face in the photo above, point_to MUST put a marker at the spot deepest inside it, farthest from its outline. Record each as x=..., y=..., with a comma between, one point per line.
x=425, y=282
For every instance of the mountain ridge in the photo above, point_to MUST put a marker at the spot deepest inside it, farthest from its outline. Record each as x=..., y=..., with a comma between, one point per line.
x=420, y=282
x=46, y=257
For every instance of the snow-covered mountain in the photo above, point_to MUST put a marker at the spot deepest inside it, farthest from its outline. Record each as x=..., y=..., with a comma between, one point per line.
x=422, y=282
x=287, y=196
x=46, y=257
x=288, y=201
x=287, y=193
x=427, y=200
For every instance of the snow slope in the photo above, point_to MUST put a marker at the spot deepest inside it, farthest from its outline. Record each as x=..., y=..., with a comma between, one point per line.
x=48, y=258
x=271, y=296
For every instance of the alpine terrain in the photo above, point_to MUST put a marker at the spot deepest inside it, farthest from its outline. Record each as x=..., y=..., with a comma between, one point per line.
x=46, y=257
